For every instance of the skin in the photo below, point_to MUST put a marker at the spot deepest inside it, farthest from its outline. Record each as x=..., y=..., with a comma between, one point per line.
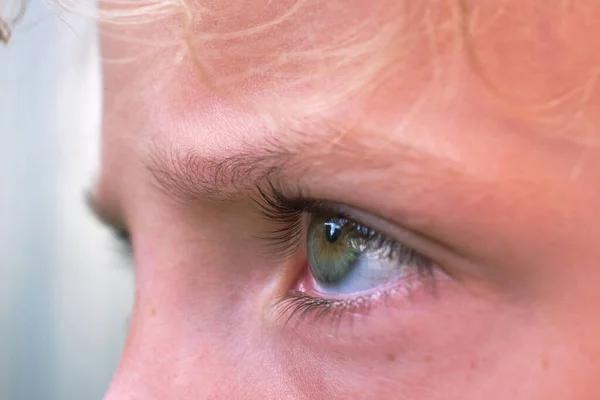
x=465, y=159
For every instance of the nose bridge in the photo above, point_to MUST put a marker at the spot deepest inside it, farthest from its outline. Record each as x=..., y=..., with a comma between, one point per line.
x=132, y=378
x=137, y=379
x=120, y=390
x=143, y=370
x=197, y=368
x=193, y=378
x=194, y=332
x=171, y=348
x=164, y=360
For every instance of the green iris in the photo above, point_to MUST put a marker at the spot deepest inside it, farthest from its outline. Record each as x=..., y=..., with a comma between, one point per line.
x=332, y=249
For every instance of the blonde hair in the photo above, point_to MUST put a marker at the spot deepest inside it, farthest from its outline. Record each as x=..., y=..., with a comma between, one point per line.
x=248, y=40
x=363, y=53
x=10, y=14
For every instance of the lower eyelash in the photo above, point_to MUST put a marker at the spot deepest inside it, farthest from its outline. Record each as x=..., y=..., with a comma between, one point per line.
x=298, y=306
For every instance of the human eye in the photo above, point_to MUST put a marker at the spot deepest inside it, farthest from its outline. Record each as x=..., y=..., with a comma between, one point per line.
x=344, y=266
x=345, y=257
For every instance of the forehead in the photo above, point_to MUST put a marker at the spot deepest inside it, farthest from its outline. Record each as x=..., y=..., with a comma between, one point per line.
x=309, y=55
x=372, y=75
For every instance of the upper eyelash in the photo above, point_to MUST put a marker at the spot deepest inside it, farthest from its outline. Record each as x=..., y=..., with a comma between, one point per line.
x=288, y=212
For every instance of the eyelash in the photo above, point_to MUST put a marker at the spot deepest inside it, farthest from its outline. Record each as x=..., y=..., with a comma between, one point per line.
x=284, y=242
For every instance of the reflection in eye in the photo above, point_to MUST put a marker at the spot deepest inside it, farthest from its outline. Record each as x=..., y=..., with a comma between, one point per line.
x=345, y=257
x=350, y=266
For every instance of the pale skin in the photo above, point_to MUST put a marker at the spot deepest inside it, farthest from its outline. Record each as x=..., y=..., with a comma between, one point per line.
x=505, y=202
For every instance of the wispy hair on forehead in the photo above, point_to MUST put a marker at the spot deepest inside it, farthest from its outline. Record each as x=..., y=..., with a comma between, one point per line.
x=536, y=59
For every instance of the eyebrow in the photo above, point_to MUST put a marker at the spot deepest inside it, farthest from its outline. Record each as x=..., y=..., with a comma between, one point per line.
x=186, y=176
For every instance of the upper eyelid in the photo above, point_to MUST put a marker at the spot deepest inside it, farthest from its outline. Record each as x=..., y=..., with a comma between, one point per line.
x=355, y=216
x=418, y=239
x=429, y=248
x=288, y=212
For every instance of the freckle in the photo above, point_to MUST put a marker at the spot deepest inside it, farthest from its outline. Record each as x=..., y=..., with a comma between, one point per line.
x=391, y=357
x=153, y=312
x=428, y=358
x=545, y=363
x=473, y=364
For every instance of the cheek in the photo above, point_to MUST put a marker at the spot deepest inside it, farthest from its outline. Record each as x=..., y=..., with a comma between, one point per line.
x=178, y=351
x=197, y=332
x=475, y=349
x=196, y=329
x=412, y=353
x=181, y=347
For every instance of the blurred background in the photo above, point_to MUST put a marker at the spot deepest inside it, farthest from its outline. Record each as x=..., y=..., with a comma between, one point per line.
x=66, y=289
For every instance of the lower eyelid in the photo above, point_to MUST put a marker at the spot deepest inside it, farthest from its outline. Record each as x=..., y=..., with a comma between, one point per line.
x=304, y=304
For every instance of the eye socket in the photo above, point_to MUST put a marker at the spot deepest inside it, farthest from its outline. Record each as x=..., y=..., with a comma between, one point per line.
x=347, y=258
x=345, y=267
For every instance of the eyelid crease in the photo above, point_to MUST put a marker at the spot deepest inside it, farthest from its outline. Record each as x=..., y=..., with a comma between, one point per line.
x=287, y=212
x=452, y=263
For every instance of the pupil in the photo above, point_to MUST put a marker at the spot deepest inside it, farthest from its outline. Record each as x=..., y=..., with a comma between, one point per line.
x=333, y=231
